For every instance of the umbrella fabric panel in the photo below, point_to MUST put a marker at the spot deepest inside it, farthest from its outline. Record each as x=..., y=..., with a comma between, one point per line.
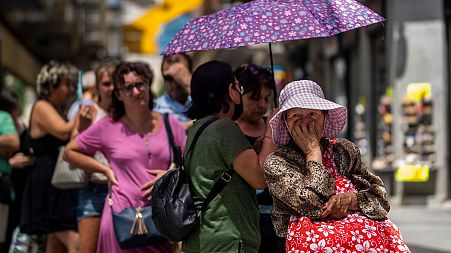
x=264, y=21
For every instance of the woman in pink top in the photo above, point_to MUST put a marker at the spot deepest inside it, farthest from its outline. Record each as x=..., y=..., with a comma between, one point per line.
x=134, y=140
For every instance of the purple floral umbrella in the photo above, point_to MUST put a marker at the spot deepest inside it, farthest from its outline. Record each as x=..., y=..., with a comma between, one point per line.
x=266, y=21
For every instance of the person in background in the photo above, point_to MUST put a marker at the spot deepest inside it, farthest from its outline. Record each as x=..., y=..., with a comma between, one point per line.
x=176, y=70
x=47, y=210
x=87, y=93
x=258, y=85
x=10, y=127
x=19, y=163
x=134, y=140
x=230, y=223
x=9, y=144
x=91, y=198
x=325, y=198
x=9, y=140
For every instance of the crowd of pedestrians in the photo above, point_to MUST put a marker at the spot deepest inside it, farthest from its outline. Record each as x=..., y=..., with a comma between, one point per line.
x=291, y=187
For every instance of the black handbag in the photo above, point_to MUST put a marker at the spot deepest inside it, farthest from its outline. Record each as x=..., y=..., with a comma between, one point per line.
x=174, y=212
x=134, y=227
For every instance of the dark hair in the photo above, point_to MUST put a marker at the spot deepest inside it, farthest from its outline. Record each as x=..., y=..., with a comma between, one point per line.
x=171, y=59
x=9, y=101
x=210, y=89
x=117, y=106
x=52, y=74
x=146, y=67
x=253, y=77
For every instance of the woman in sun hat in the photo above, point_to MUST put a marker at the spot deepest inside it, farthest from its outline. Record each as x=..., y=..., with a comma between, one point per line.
x=325, y=198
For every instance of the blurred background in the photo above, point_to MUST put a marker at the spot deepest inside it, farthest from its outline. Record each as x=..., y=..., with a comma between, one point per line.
x=393, y=77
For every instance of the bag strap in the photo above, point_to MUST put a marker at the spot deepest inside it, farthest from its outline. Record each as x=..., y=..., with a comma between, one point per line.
x=175, y=158
x=168, y=129
x=197, y=135
x=223, y=179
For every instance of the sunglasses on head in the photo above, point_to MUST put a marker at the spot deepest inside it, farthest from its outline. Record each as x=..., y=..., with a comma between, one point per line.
x=253, y=70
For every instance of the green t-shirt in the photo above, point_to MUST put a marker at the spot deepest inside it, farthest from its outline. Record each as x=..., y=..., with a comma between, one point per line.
x=6, y=128
x=230, y=223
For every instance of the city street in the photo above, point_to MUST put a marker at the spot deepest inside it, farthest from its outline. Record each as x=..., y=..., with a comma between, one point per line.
x=111, y=92
x=425, y=229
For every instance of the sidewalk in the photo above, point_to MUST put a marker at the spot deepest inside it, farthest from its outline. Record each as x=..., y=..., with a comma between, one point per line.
x=424, y=229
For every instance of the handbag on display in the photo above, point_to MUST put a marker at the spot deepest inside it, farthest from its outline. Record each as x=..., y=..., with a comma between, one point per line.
x=133, y=226
x=174, y=212
x=65, y=176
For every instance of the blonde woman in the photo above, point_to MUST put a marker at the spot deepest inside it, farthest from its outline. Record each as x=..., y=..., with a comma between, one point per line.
x=46, y=209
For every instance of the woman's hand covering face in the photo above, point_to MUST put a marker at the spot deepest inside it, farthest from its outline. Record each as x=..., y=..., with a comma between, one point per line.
x=306, y=127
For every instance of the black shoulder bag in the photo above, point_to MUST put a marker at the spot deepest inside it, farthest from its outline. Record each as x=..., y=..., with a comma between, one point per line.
x=174, y=213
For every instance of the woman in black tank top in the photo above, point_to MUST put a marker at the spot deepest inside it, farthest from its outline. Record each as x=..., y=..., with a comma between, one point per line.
x=258, y=85
x=47, y=210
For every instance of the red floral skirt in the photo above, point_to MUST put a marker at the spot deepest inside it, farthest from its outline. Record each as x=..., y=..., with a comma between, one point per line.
x=354, y=233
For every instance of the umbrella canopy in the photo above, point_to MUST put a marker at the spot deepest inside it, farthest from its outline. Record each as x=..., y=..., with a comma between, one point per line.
x=266, y=21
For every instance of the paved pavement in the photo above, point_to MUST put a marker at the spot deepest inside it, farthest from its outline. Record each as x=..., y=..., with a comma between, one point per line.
x=424, y=229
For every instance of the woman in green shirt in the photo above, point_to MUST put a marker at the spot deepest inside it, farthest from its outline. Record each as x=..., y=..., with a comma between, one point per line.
x=230, y=222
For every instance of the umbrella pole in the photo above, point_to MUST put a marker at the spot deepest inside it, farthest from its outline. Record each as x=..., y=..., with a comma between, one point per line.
x=273, y=77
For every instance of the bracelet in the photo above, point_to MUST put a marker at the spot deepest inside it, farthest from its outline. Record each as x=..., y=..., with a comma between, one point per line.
x=266, y=136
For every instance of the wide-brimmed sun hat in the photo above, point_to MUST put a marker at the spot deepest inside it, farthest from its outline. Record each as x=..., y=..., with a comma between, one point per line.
x=308, y=95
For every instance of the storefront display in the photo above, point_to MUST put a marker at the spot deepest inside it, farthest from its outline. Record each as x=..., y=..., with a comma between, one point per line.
x=419, y=135
x=384, y=150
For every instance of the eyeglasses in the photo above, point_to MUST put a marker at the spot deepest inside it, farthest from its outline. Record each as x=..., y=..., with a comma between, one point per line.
x=128, y=89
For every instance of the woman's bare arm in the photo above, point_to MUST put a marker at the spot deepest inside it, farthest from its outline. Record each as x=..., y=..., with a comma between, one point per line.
x=75, y=156
x=48, y=120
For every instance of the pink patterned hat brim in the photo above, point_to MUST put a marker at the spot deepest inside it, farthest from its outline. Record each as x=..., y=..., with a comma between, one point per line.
x=308, y=95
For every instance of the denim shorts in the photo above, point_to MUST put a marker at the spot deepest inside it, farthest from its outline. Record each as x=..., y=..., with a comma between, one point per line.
x=91, y=199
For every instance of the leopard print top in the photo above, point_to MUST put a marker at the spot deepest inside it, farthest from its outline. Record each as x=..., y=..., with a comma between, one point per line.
x=302, y=188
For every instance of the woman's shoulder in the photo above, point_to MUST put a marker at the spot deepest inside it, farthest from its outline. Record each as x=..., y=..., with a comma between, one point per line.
x=286, y=154
x=4, y=114
x=227, y=124
x=345, y=145
x=107, y=122
x=42, y=105
x=101, y=113
x=173, y=121
x=5, y=117
x=222, y=125
x=42, y=109
x=346, y=150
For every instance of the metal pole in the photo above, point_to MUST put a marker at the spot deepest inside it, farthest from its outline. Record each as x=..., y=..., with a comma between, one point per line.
x=273, y=77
